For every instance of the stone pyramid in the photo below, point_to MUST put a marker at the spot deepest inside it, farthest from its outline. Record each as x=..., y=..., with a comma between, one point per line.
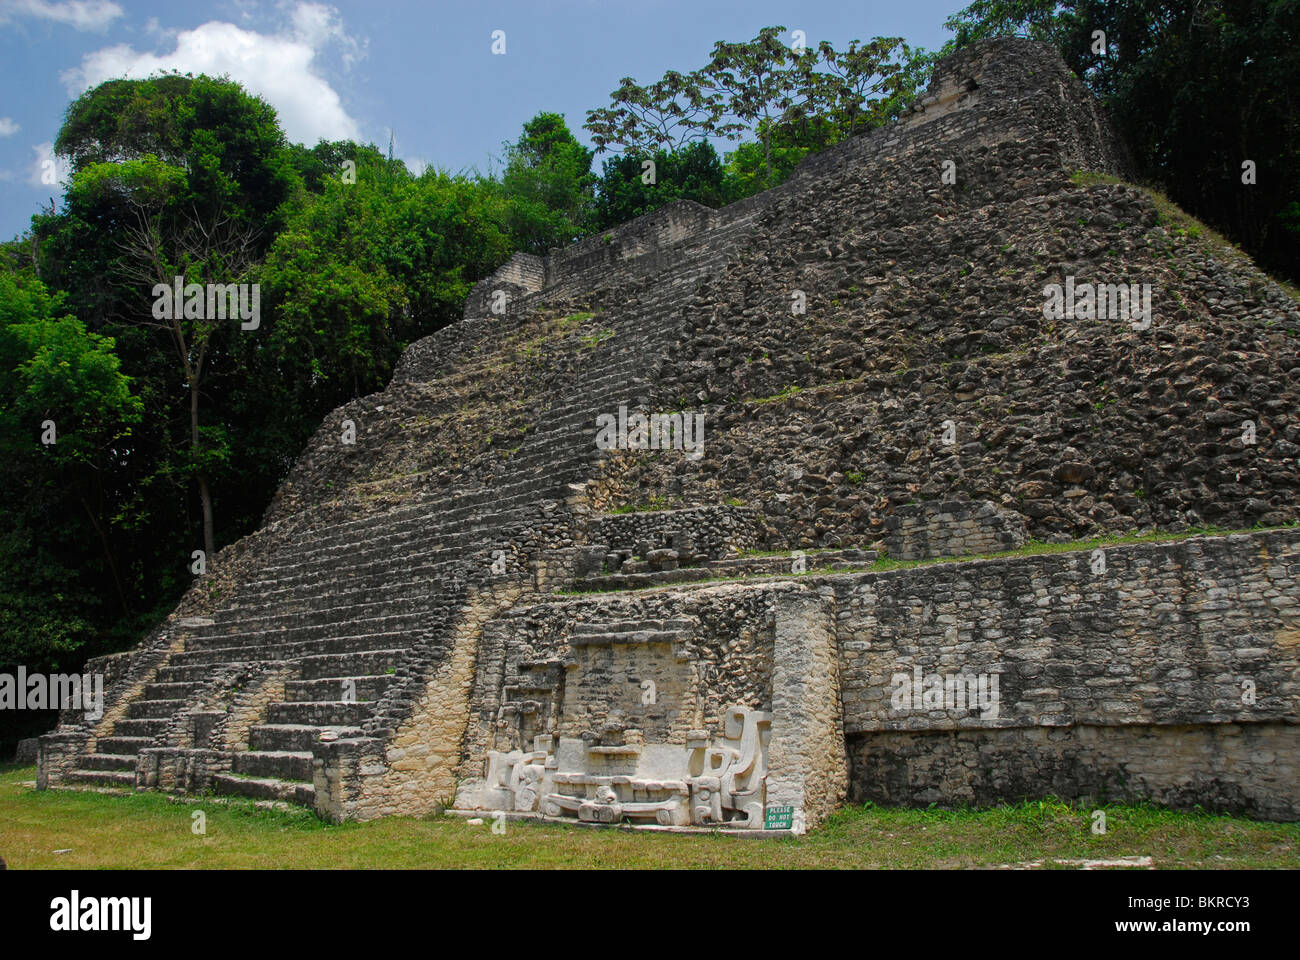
x=637, y=540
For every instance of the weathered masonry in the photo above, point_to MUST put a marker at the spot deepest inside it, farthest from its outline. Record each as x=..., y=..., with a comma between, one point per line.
x=474, y=606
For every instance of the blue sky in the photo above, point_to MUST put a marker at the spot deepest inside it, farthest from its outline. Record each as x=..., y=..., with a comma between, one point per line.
x=362, y=68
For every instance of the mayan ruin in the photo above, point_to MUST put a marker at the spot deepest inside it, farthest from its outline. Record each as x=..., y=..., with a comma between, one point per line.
x=718, y=519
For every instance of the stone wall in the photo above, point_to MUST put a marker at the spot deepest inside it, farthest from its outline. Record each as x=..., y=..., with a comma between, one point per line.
x=924, y=306
x=712, y=532
x=521, y=275
x=1245, y=769
x=1132, y=643
x=954, y=528
x=1171, y=673
x=647, y=234
x=649, y=239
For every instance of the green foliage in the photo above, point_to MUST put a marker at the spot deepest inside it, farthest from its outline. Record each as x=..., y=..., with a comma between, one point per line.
x=750, y=171
x=793, y=101
x=327, y=161
x=53, y=369
x=229, y=142
x=549, y=186
x=361, y=270
x=693, y=173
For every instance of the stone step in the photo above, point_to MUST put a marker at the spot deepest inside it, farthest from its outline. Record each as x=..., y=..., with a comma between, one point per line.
x=331, y=688
x=108, y=761
x=371, y=663
x=280, y=600
x=321, y=576
x=494, y=487
x=414, y=538
x=270, y=614
x=396, y=624
x=264, y=788
x=149, y=709
x=320, y=579
x=296, y=650
x=329, y=713
x=149, y=728
x=196, y=674
x=293, y=738
x=225, y=622
x=122, y=746
x=122, y=779
x=277, y=764
x=440, y=519
x=177, y=690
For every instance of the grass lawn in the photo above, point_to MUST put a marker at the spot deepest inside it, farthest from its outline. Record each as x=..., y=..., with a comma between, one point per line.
x=152, y=830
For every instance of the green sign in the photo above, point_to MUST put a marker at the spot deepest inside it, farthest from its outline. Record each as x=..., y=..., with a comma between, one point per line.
x=779, y=818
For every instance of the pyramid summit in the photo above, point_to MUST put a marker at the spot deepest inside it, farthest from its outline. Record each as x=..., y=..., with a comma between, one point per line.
x=460, y=597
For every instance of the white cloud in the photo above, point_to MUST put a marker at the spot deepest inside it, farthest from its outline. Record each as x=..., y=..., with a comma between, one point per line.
x=276, y=66
x=47, y=171
x=317, y=25
x=159, y=33
x=7, y=127
x=79, y=14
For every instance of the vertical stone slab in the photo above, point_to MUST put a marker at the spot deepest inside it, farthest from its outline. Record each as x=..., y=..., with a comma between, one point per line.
x=807, y=766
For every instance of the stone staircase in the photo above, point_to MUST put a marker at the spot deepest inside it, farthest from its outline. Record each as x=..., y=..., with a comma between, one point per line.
x=344, y=619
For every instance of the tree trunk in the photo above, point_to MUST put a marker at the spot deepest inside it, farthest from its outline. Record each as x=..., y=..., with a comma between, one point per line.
x=205, y=495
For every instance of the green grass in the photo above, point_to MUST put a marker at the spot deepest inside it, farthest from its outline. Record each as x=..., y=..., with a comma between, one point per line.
x=152, y=831
x=785, y=394
x=593, y=340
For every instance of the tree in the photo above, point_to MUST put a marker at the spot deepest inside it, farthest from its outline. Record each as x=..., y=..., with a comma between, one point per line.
x=360, y=271
x=327, y=159
x=694, y=172
x=754, y=83
x=172, y=176
x=669, y=114
x=548, y=184
x=66, y=418
x=165, y=233
x=869, y=83
x=791, y=101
